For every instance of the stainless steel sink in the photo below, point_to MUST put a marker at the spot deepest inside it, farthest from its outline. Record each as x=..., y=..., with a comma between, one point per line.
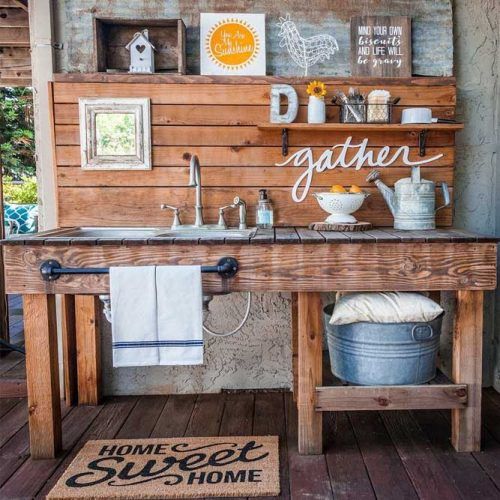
x=147, y=232
x=105, y=232
x=213, y=232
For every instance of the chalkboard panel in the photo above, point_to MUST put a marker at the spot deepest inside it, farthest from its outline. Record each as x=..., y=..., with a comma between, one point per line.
x=381, y=46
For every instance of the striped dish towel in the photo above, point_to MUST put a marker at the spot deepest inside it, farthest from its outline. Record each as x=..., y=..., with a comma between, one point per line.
x=156, y=315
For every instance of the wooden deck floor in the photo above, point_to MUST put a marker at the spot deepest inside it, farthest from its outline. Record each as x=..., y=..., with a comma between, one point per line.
x=387, y=455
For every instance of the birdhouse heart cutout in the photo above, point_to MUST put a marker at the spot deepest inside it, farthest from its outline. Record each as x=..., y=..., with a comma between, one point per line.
x=142, y=53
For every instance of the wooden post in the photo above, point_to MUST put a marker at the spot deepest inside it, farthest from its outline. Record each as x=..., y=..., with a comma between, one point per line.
x=295, y=345
x=69, y=349
x=88, y=349
x=310, y=343
x=467, y=369
x=42, y=375
x=42, y=69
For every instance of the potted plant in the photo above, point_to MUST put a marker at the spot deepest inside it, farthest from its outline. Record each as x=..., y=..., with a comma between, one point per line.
x=20, y=206
x=316, y=111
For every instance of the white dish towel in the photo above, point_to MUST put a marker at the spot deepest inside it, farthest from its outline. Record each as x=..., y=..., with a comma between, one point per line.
x=157, y=315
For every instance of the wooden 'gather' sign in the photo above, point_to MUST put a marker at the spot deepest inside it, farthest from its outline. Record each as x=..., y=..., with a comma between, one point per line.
x=381, y=46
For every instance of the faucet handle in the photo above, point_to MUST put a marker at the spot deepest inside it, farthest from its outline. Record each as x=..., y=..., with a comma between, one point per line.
x=222, y=222
x=177, y=220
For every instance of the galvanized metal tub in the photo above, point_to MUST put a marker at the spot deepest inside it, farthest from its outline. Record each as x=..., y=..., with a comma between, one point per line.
x=383, y=353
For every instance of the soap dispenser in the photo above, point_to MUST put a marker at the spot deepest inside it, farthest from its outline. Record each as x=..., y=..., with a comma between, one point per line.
x=264, y=219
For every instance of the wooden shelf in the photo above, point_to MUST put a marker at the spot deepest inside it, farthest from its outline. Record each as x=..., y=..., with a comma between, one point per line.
x=363, y=127
x=422, y=128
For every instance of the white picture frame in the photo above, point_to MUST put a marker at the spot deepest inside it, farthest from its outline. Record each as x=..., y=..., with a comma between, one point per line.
x=232, y=44
x=95, y=155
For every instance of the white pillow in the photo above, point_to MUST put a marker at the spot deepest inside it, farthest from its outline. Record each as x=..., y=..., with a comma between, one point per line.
x=384, y=307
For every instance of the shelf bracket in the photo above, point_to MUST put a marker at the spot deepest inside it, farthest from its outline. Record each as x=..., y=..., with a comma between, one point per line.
x=284, y=142
x=422, y=140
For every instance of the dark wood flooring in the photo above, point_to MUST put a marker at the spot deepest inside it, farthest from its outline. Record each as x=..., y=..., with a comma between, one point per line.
x=386, y=455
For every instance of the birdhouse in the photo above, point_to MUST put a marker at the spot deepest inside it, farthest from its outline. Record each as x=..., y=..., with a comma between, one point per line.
x=142, y=57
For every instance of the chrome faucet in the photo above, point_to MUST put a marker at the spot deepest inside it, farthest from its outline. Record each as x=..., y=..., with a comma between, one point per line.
x=195, y=181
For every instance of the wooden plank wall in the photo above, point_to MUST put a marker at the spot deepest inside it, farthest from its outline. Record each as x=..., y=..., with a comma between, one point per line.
x=216, y=119
x=15, y=58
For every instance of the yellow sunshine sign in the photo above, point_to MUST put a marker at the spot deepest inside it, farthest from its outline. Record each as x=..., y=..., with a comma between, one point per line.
x=232, y=44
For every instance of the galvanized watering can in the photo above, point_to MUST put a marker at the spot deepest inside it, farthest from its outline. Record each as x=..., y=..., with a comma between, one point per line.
x=413, y=200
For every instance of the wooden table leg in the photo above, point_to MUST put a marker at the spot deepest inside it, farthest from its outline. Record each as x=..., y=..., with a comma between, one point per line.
x=467, y=369
x=310, y=344
x=88, y=349
x=295, y=345
x=69, y=349
x=42, y=375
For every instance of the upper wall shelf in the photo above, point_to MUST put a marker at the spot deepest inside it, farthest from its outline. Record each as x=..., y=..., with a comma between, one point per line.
x=363, y=127
x=421, y=128
x=417, y=81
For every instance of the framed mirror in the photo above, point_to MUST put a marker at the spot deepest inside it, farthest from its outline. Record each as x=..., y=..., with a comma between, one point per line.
x=115, y=133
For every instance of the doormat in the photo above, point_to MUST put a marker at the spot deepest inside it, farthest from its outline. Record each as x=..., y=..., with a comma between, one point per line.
x=174, y=468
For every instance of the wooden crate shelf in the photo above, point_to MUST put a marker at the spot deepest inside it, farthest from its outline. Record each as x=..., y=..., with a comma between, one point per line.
x=111, y=36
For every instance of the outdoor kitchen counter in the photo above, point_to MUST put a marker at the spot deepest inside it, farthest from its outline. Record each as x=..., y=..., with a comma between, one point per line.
x=283, y=259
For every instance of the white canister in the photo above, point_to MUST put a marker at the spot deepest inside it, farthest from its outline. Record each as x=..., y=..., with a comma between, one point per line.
x=316, y=111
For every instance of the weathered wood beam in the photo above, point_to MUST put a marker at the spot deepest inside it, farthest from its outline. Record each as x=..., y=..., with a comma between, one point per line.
x=13, y=18
x=68, y=332
x=15, y=82
x=467, y=369
x=44, y=405
x=310, y=372
x=15, y=37
x=342, y=267
x=88, y=349
x=22, y=4
x=400, y=397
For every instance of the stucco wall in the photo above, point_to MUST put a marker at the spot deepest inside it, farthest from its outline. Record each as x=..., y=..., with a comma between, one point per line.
x=476, y=39
x=260, y=355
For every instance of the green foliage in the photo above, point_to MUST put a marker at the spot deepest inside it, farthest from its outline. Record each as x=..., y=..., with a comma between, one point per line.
x=17, y=146
x=115, y=133
x=24, y=192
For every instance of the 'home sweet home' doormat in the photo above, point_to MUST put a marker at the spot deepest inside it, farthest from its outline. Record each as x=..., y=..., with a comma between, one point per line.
x=174, y=468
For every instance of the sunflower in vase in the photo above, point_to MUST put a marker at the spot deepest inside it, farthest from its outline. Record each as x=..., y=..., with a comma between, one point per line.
x=316, y=110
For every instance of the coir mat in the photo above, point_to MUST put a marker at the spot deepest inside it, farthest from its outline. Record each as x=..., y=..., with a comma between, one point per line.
x=240, y=466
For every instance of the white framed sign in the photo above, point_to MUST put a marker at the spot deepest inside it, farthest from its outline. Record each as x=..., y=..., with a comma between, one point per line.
x=232, y=44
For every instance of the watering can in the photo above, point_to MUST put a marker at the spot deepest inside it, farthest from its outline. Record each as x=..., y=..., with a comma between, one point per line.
x=413, y=200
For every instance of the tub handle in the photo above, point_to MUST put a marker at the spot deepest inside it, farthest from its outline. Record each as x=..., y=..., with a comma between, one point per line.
x=422, y=332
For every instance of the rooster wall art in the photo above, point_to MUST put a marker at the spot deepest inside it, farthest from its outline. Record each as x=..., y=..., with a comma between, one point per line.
x=305, y=51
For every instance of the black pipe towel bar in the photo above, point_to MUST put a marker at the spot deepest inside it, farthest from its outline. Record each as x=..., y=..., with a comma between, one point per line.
x=51, y=270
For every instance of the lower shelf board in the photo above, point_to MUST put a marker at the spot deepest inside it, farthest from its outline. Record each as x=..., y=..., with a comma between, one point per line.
x=391, y=397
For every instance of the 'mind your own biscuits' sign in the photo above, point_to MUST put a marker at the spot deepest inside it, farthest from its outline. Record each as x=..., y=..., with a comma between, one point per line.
x=381, y=46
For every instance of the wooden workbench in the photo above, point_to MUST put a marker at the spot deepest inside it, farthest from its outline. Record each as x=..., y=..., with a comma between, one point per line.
x=285, y=259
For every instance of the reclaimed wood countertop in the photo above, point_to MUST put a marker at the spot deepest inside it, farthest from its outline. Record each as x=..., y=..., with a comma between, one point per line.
x=278, y=235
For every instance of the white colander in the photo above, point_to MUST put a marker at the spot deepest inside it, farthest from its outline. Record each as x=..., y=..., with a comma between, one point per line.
x=340, y=206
